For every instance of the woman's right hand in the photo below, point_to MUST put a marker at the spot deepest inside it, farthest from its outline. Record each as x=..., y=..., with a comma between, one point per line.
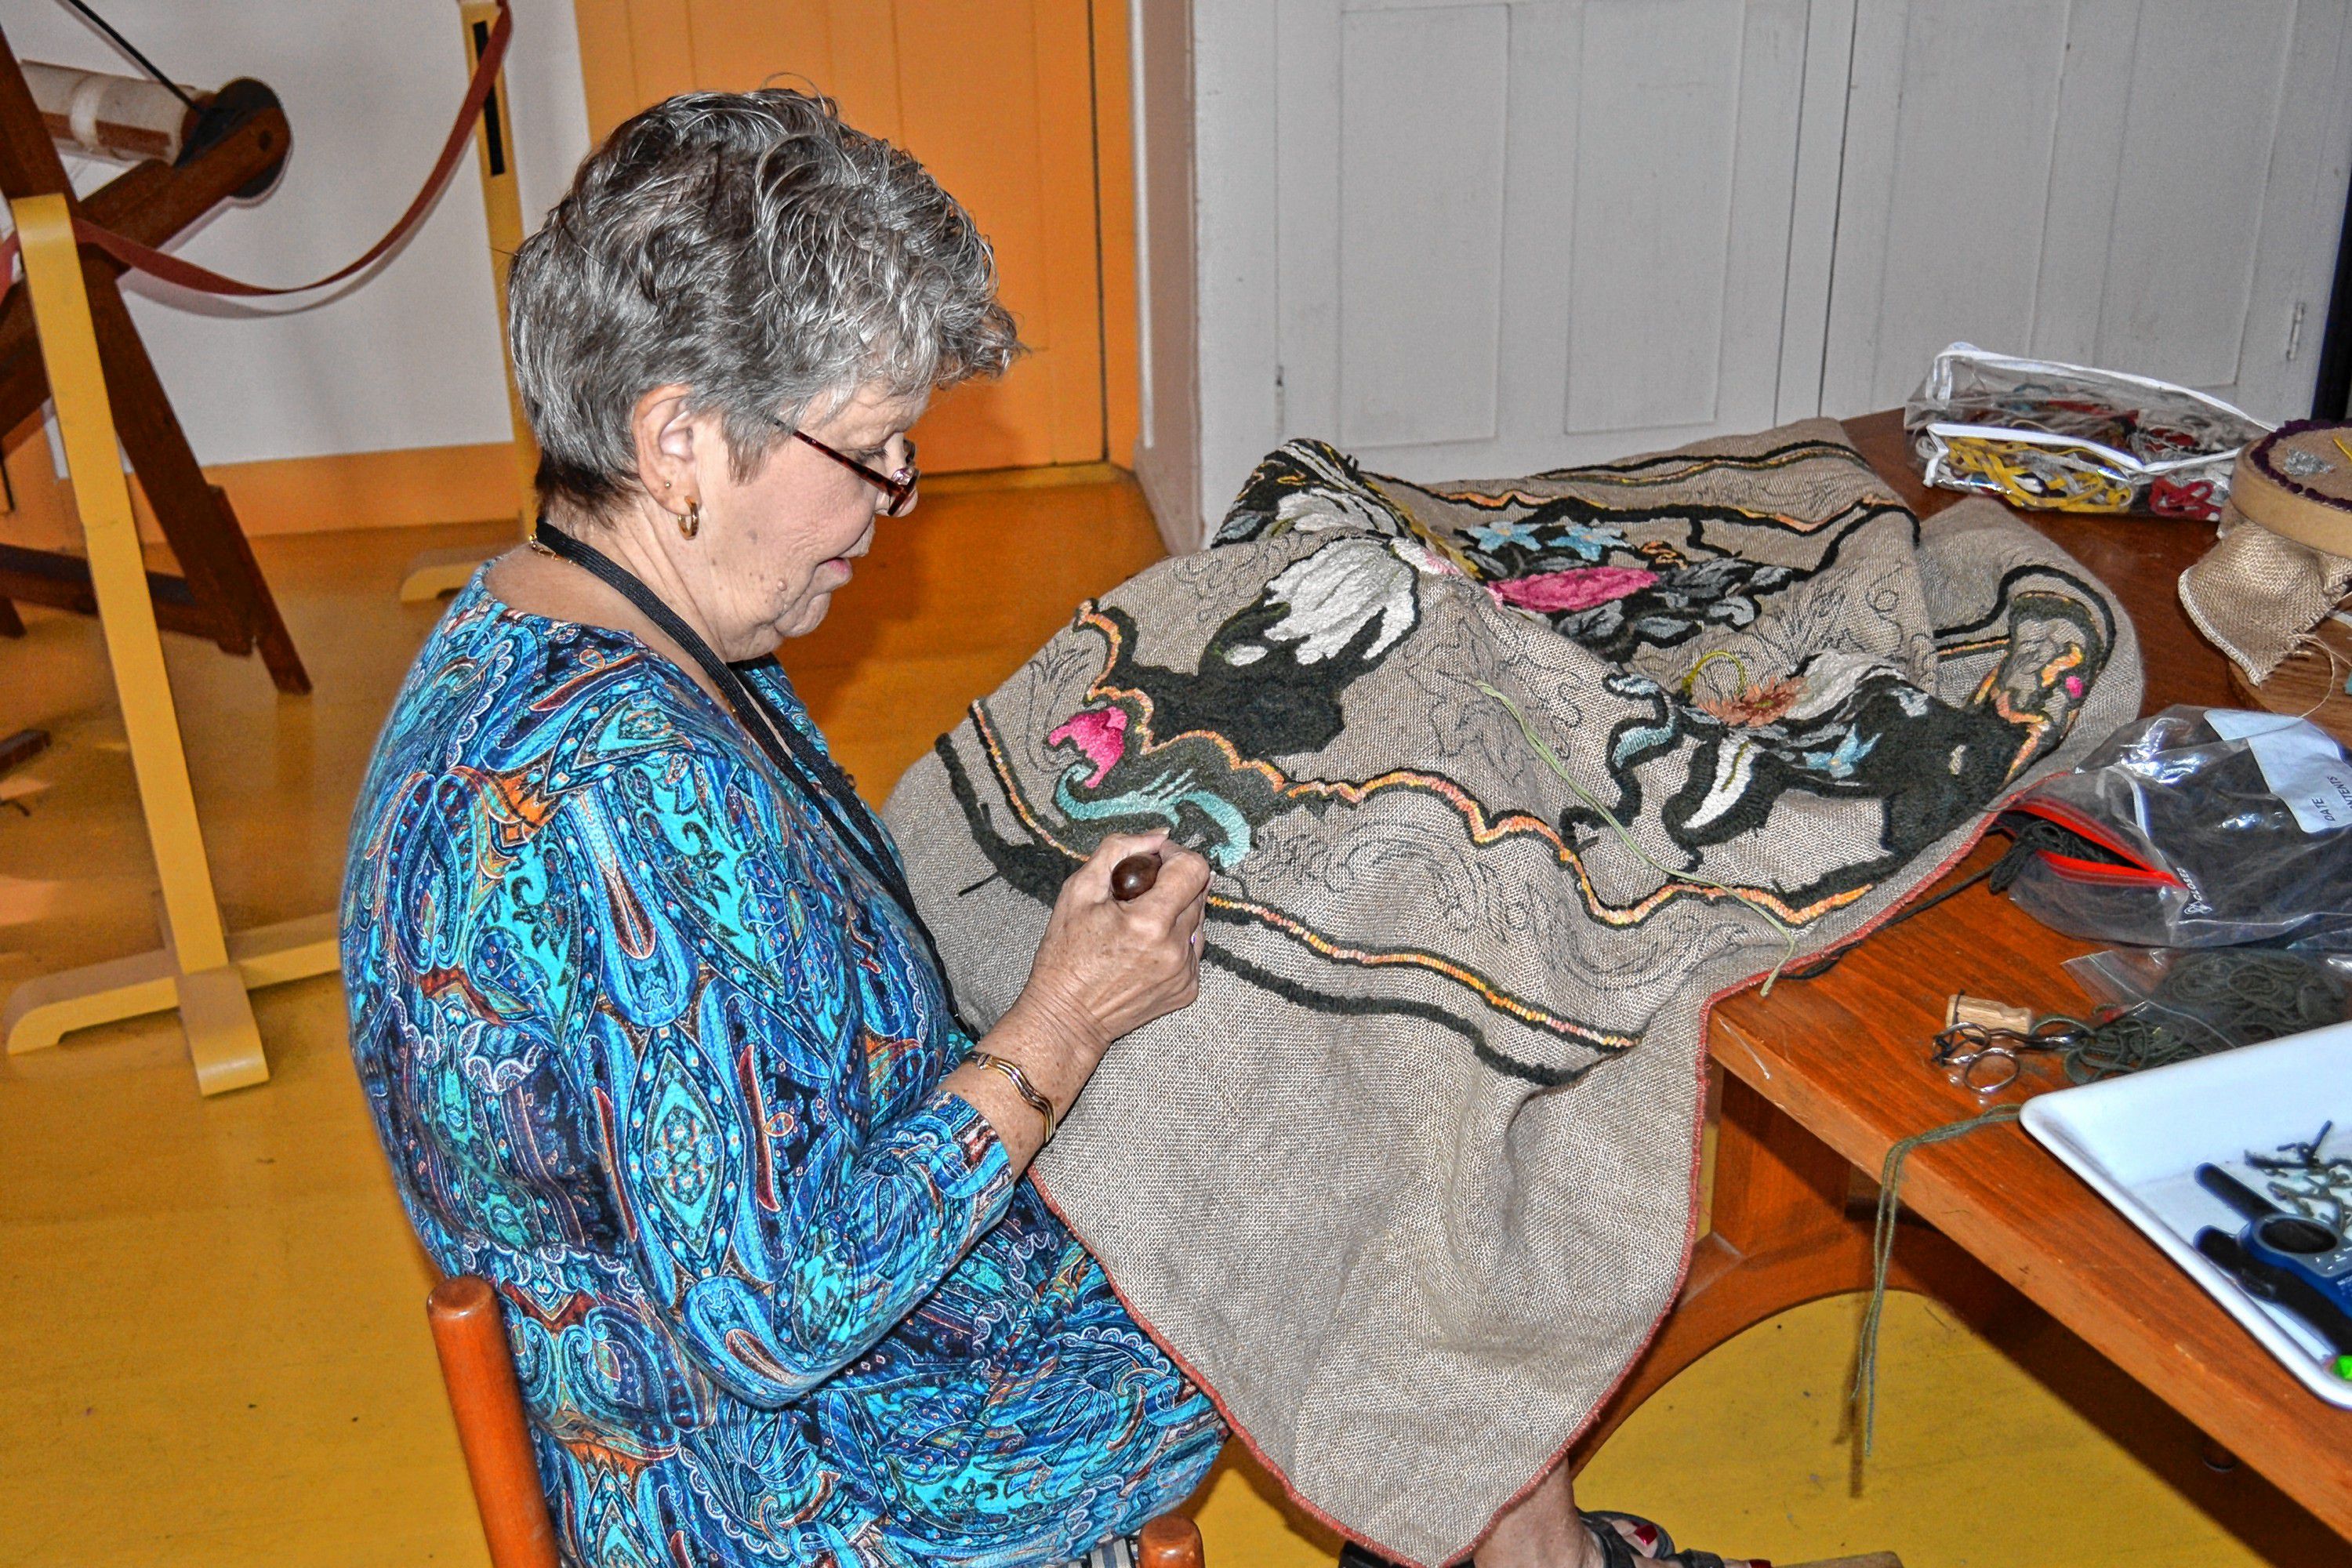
x=1105, y=968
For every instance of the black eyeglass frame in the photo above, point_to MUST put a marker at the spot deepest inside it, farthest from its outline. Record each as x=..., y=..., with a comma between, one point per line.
x=898, y=489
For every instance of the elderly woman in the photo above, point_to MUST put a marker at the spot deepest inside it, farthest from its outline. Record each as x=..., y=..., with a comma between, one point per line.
x=647, y=1018
x=648, y=1023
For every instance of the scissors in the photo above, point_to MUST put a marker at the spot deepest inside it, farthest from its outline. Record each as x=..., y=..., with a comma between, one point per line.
x=1988, y=1060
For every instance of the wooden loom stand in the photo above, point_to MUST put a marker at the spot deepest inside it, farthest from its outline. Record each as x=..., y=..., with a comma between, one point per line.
x=201, y=971
x=222, y=595
x=433, y=572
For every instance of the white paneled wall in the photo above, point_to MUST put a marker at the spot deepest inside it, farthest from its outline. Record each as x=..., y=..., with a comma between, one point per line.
x=1685, y=150
x=1483, y=236
x=1234, y=358
x=2151, y=184
x=1422, y=150
x=1510, y=235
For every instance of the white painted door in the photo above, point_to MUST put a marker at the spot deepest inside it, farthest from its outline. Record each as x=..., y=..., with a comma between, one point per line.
x=1479, y=238
x=2153, y=186
x=1504, y=236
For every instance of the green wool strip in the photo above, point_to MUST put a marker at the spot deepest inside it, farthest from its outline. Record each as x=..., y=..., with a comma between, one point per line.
x=1865, y=1393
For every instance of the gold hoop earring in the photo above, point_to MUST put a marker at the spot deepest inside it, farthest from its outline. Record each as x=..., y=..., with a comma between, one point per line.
x=689, y=522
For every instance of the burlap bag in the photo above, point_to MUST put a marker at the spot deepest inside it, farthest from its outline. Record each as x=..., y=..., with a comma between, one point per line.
x=2254, y=594
x=1410, y=1186
x=2285, y=557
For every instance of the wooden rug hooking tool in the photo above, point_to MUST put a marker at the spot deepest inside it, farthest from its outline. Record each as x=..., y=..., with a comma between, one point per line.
x=1133, y=876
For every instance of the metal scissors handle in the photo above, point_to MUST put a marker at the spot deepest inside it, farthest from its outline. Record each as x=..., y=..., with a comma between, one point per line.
x=1988, y=1059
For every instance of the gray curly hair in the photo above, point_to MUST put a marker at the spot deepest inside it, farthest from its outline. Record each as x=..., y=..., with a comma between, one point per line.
x=754, y=249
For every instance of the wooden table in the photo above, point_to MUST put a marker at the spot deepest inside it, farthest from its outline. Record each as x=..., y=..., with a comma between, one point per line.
x=1828, y=1073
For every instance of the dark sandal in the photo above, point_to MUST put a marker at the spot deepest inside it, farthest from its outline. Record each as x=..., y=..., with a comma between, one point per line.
x=1657, y=1549
x=1609, y=1527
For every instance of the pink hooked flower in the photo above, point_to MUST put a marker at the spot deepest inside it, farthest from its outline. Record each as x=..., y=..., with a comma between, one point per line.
x=1100, y=733
x=1578, y=588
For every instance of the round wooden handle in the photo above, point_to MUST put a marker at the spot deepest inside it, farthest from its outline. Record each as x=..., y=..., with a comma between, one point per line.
x=1132, y=878
x=1171, y=1540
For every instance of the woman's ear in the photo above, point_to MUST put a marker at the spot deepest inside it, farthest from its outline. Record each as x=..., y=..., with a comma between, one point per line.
x=668, y=440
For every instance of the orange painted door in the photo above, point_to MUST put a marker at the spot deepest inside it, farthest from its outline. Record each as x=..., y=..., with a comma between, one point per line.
x=1000, y=98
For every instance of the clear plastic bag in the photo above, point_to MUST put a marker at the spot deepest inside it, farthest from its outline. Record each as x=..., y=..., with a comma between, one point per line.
x=2044, y=435
x=2218, y=1001
x=2195, y=827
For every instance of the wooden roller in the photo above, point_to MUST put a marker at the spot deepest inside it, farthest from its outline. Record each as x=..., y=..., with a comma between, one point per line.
x=127, y=119
x=131, y=120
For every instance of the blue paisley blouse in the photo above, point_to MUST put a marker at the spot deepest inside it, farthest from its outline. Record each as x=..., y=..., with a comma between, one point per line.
x=652, y=1054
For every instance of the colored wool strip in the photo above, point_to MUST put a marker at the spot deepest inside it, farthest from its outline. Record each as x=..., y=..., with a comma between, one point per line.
x=1865, y=1393
x=1625, y=836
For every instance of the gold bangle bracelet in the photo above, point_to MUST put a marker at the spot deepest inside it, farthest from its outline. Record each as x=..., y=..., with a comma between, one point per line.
x=1021, y=1086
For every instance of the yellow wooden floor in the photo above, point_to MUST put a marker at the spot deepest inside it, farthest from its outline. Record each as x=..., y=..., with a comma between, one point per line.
x=211, y=1349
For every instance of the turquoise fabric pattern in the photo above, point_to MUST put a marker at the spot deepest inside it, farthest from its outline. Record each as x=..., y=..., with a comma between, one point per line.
x=650, y=1052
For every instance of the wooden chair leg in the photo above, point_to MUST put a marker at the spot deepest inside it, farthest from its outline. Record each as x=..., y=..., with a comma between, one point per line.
x=195, y=515
x=249, y=599
x=22, y=747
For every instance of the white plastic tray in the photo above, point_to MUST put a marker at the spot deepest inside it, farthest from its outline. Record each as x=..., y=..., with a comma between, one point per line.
x=2138, y=1141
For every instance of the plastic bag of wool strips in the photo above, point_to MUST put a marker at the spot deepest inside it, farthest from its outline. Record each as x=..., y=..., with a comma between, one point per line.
x=2195, y=827
x=2049, y=436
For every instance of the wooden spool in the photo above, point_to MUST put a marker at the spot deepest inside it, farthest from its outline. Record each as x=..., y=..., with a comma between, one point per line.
x=125, y=118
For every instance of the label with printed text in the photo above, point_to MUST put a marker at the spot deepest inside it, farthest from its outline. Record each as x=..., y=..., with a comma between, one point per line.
x=2301, y=762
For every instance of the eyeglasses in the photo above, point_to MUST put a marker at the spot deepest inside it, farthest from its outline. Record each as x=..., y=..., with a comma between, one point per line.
x=897, y=489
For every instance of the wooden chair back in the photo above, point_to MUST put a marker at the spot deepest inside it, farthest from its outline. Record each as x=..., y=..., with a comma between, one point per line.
x=477, y=1366
x=1171, y=1540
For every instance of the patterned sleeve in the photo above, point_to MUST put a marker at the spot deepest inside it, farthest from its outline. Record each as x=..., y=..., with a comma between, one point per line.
x=742, y=1025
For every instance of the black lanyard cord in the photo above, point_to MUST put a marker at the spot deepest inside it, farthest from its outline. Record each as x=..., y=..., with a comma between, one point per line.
x=819, y=780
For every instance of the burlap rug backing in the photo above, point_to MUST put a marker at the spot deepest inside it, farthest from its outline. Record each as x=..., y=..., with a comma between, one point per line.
x=1410, y=1184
